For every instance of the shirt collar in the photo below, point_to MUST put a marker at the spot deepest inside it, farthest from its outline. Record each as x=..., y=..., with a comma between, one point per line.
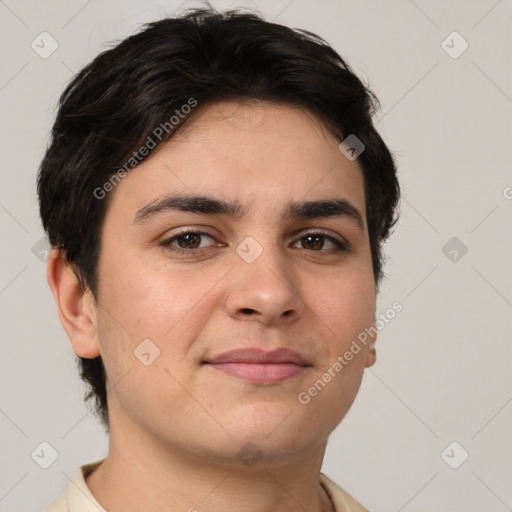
x=78, y=496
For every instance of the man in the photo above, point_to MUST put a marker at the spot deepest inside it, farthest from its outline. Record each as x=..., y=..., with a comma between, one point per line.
x=217, y=198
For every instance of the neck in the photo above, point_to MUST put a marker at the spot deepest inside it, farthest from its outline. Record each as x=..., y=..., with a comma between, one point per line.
x=141, y=474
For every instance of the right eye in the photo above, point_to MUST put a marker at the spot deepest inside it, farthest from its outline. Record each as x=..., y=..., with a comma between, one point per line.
x=187, y=242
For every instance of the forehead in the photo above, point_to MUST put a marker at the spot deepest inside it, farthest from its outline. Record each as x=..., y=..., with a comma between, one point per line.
x=264, y=155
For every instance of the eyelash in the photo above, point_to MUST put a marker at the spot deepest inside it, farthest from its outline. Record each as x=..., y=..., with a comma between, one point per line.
x=167, y=243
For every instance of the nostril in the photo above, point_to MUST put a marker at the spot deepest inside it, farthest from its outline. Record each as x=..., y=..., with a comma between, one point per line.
x=248, y=311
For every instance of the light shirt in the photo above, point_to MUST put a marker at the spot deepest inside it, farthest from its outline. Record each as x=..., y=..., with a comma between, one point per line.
x=78, y=497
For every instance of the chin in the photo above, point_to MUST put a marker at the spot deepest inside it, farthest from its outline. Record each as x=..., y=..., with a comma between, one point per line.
x=277, y=428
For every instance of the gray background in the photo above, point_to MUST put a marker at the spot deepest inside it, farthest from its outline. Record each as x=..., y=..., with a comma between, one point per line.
x=443, y=371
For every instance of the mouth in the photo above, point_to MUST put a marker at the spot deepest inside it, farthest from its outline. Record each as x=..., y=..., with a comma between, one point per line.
x=259, y=367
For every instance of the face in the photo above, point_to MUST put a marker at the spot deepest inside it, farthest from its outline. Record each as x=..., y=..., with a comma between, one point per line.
x=263, y=263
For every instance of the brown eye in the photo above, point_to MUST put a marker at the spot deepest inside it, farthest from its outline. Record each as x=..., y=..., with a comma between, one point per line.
x=316, y=242
x=313, y=242
x=189, y=240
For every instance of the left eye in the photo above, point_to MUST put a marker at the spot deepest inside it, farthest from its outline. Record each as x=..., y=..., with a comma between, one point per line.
x=316, y=242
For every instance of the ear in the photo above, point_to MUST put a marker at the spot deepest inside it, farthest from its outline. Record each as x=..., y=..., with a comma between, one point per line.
x=75, y=306
x=371, y=355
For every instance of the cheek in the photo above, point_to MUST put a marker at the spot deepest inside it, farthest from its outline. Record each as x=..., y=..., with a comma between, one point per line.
x=148, y=299
x=344, y=303
x=347, y=309
x=143, y=333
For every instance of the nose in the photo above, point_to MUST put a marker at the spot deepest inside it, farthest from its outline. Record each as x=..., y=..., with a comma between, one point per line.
x=265, y=290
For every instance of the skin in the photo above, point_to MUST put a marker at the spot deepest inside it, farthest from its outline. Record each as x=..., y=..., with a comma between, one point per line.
x=177, y=424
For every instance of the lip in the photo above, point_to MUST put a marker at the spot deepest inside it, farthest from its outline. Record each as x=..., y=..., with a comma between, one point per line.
x=258, y=366
x=258, y=355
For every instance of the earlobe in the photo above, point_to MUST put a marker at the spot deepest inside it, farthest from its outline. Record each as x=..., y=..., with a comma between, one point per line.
x=371, y=357
x=371, y=354
x=75, y=306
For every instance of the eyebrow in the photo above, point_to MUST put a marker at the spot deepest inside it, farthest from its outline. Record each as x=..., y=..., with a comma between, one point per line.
x=208, y=205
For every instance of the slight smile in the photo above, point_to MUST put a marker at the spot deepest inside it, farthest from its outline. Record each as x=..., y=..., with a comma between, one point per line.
x=259, y=367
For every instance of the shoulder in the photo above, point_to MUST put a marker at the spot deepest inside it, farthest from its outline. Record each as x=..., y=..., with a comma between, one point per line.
x=341, y=499
x=78, y=497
